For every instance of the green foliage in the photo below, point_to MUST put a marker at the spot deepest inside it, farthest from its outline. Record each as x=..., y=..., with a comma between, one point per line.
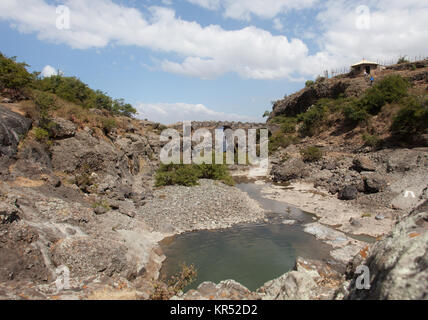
x=41, y=134
x=391, y=89
x=74, y=90
x=311, y=154
x=266, y=114
x=311, y=119
x=108, y=124
x=309, y=83
x=371, y=140
x=13, y=75
x=279, y=140
x=354, y=114
x=44, y=103
x=412, y=119
x=188, y=175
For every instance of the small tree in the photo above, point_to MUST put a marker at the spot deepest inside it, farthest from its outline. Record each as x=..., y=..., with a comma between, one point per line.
x=266, y=114
x=13, y=75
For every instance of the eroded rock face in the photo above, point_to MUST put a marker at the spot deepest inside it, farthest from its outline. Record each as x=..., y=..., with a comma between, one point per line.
x=398, y=264
x=301, y=101
x=13, y=127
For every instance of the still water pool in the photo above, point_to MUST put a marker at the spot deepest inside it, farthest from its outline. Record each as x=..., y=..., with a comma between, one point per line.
x=251, y=254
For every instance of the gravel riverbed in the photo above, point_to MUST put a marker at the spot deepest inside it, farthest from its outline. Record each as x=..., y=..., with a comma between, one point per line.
x=210, y=205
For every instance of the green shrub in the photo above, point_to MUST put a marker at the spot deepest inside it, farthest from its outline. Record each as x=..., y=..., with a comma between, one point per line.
x=13, y=75
x=311, y=154
x=108, y=124
x=309, y=83
x=412, y=119
x=355, y=114
x=44, y=104
x=188, y=175
x=41, y=134
x=279, y=140
x=393, y=88
x=371, y=140
x=311, y=120
x=74, y=90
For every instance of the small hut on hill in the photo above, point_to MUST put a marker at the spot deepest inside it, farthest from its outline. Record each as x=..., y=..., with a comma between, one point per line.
x=364, y=65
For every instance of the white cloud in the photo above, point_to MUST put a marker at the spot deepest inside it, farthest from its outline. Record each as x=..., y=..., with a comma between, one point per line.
x=244, y=9
x=169, y=113
x=48, y=71
x=396, y=28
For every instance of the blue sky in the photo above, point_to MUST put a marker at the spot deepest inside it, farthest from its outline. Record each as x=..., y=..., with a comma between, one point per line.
x=207, y=59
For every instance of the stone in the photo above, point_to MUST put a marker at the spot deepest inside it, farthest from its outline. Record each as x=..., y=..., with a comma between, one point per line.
x=397, y=264
x=62, y=129
x=355, y=223
x=13, y=128
x=292, y=169
x=8, y=213
x=363, y=163
x=100, y=210
x=374, y=182
x=348, y=193
x=380, y=217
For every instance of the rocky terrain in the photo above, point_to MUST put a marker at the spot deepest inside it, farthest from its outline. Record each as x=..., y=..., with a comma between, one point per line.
x=85, y=199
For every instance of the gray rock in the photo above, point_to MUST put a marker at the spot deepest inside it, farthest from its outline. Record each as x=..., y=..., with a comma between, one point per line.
x=348, y=193
x=13, y=127
x=374, y=183
x=292, y=169
x=8, y=213
x=397, y=264
x=355, y=223
x=380, y=217
x=63, y=128
x=363, y=163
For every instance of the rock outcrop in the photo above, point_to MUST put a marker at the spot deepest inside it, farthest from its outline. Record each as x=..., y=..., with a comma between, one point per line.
x=398, y=264
x=13, y=128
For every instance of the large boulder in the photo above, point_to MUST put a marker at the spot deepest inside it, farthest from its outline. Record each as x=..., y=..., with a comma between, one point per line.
x=363, y=163
x=292, y=169
x=348, y=193
x=13, y=127
x=374, y=182
x=398, y=264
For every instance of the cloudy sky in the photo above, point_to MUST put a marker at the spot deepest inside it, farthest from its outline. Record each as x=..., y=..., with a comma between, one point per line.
x=181, y=60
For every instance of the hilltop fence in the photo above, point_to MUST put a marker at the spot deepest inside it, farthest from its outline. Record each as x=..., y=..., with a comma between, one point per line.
x=386, y=63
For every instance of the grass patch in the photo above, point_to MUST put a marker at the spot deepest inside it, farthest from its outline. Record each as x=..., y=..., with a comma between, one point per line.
x=189, y=174
x=372, y=141
x=311, y=154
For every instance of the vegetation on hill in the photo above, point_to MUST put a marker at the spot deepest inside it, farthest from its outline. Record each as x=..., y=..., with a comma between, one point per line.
x=408, y=122
x=14, y=75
